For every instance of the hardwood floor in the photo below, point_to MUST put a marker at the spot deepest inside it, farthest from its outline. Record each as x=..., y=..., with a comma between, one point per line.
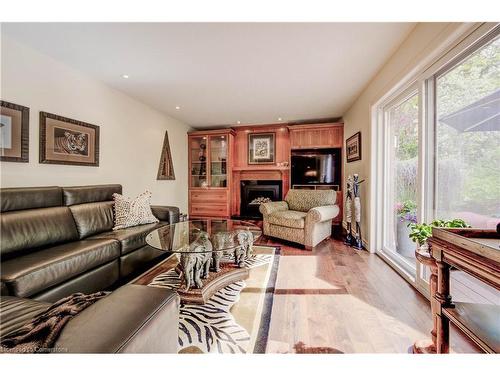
x=336, y=299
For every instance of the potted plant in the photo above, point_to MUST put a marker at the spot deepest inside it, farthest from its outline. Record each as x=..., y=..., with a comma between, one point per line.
x=406, y=213
x=419, y=233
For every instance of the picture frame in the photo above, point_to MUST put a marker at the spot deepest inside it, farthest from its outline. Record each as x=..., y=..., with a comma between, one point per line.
x=67, y=141
x=353, y=147
x=166, y=167
x=261, y=148
x=14, y=132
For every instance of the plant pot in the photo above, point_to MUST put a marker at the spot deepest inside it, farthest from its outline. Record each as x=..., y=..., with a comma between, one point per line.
x=404, y=245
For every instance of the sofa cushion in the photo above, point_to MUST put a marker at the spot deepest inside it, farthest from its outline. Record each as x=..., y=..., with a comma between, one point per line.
x=13, y=199
x=26, y=230
x=288, y=218
x=88, y=194
x=34, y=272
x=303, y=200
x=15, y=312
x=92, y=218
x=95, y=280
x=287, y=234
x=132, y=319
x=130, y=239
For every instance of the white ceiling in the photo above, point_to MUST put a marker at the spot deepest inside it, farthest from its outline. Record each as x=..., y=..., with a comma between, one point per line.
x=221, y=73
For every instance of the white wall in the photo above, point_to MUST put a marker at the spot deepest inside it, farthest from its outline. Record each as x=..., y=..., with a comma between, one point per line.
x=423, y=45
x=131, y=133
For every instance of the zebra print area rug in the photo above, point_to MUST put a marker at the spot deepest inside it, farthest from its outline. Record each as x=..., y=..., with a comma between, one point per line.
x=212, y=328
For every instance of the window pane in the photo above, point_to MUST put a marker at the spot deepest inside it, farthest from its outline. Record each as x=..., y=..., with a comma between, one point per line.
x=468, y=139
x=402, y=159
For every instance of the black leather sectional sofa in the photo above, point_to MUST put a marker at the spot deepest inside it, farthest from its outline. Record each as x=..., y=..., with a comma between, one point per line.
x=56, y=241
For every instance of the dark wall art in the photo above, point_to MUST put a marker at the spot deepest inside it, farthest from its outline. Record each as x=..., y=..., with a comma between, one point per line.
x=166, y=167
x=261, y=148
x=14, y=132
x=353, y=147
x=67, y=141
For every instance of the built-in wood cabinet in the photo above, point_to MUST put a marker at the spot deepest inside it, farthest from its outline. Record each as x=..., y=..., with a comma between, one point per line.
x=210, y=172
x=316, y=136
x=218, y=163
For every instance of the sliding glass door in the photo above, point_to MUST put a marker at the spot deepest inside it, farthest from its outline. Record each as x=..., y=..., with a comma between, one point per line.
x=438, y=152
x=401, y=178
x=468, y=138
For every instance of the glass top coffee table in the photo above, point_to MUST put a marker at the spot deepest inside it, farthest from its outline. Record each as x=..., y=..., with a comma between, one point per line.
x=211, y=253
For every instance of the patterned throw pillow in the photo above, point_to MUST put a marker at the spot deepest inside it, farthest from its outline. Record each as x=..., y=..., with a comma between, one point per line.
x=132, y=212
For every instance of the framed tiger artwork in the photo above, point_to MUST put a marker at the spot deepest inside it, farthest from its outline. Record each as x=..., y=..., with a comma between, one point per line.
x=67, y=141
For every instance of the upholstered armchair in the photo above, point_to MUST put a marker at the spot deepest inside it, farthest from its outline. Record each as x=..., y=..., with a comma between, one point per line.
x=305, y=216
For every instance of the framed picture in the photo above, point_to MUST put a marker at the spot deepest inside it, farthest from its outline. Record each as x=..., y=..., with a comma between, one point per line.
x=261, y=148
x=353, y=147
x=67, y=141
x=14, y=132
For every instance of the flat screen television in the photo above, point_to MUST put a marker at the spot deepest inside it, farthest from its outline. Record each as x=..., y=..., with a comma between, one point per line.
x=316, y=167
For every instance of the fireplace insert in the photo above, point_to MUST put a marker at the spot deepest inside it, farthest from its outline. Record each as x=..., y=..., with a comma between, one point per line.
x=256, y=192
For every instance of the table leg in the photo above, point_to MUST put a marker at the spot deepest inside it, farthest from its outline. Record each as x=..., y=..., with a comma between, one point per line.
x=427, y=346
x=443, y=300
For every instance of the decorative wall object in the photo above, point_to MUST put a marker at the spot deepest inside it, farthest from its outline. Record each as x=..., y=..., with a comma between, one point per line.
x=348, y=210
x=67, y=141
x=357, y=242
x=166, y=167
x=14, y=132
x=261, y=148
x=353, y=147
x=353, y=197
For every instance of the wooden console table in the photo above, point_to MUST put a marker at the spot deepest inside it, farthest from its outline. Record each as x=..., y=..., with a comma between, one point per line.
x=477, y=253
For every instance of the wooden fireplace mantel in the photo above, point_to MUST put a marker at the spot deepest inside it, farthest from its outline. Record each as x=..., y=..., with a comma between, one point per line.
x=261, y=168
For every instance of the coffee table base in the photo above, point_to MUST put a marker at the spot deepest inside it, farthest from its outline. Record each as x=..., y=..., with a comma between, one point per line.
x=228, y=274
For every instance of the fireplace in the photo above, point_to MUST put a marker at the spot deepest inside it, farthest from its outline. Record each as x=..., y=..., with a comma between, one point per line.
x=255, y=192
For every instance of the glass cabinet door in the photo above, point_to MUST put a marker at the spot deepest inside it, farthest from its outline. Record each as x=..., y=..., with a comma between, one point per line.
x=218, y=160
x=198, y=150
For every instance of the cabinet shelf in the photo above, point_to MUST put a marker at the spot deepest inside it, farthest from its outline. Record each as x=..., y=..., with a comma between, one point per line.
x=479, y=322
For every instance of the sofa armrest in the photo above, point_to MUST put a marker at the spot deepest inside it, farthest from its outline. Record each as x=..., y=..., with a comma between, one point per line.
x=269, y=208
x=166, y=213
x=322, y=213
x=132, y=319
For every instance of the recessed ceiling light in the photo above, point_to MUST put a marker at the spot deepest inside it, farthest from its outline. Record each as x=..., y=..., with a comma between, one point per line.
x=238, y=122
x=279, y=118
x=177, y=107
x=125, y=76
